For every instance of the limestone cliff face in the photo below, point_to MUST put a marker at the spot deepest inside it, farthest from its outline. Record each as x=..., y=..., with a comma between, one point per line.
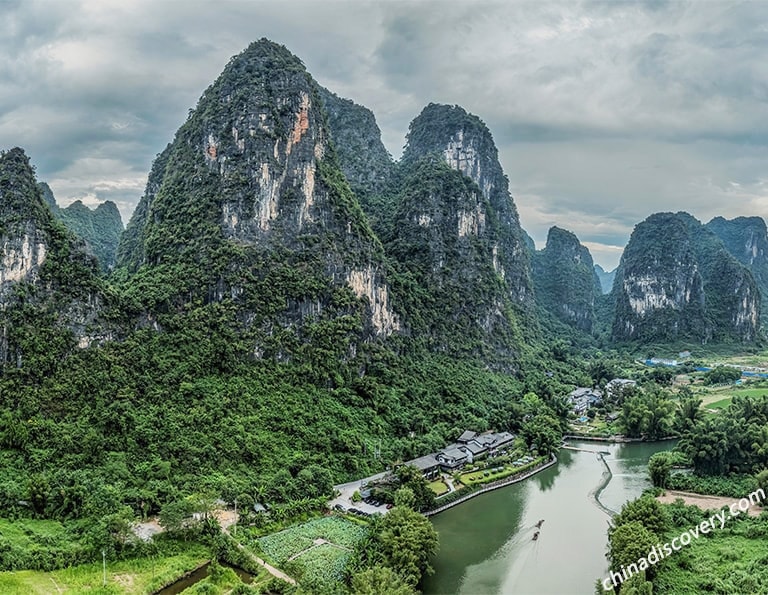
x=565, y=279
x=445, y=238
x=249, y=198
x=746, y=239
x=46, y=278
x=464, y=142
x=676, y=280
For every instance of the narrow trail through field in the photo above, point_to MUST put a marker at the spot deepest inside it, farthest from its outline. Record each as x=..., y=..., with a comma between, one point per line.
x=316, y=543
x=271, y=569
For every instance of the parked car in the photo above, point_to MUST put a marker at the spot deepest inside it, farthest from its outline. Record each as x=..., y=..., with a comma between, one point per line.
x=389, y=506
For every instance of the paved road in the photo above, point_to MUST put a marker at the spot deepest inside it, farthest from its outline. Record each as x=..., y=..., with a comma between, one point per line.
x=347, y=489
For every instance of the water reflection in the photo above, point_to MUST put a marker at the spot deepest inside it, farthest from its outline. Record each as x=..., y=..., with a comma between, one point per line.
x=487, y=544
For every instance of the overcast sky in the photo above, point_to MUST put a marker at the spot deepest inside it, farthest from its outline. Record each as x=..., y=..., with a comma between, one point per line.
x=603, y=112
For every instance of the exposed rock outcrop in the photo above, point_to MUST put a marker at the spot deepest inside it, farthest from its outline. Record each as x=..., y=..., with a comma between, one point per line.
x=746, y=238
x=47, y=281
x=464, y=142
x=677, y=281
x=248, y=198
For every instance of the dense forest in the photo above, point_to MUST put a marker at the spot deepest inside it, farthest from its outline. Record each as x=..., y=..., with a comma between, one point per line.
x=288, y=309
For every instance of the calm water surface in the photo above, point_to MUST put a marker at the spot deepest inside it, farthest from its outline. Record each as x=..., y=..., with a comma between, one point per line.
x=486, y=545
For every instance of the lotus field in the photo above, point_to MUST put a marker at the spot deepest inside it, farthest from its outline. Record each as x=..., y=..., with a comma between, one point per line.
x=322, y=561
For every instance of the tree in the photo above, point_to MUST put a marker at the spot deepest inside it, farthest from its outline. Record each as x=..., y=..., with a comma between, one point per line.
x=410, y=477
x=637, y=585
x=174, y=515
x=404, y=497
x=707, y=446
x=378, y=580
x=408, y=540
x=647, y=511
x=628, y=543
x=650, y=413
x=542, y=431
x=661, y=409
x=659, y=468
x=603, y=371
x=722, y=375
x=688, y=412
x=762, y=482
x=661, y=375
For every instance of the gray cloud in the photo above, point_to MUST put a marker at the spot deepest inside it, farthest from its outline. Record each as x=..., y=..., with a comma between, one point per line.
x=604, y=112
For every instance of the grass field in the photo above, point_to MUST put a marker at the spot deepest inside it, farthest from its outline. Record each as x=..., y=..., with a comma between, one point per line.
x=718, y=397
x=143, y=575
x=487, y=475
x=438, y=487
x=721, y=404
x=27, y=532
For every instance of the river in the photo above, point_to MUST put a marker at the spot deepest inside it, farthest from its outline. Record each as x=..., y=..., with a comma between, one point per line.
x=486, y=544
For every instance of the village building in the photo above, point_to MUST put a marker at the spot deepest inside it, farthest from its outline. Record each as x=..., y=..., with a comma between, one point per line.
x=582, y=398
x=469, y=447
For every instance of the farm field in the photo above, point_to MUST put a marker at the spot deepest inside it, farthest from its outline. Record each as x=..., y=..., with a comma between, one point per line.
x=317, y=551
x=721, y=404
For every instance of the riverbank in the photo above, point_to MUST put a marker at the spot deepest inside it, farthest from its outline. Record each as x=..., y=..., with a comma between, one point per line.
x=138, y=575
x=704, y=501
x=487, y=545
x=489, y=487
x=618, y=439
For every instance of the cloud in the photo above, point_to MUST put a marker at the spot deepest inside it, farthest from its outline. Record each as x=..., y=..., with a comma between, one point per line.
x=604, y=112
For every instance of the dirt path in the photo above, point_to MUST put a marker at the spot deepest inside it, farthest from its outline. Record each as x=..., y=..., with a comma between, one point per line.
x=704, y=502
x=271, y=569
x=226, y=519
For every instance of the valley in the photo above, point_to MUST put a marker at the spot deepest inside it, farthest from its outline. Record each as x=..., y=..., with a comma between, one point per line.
x=289, y=309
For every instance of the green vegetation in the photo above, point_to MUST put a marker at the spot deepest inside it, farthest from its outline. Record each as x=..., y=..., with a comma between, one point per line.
x=734, y=486
x=633, y=533
x=336, y=530
x=659, y=469
x=565, y=281
x=100, y=228
x=237, y=362
x=649, y=413
x=720, y=291
x=728, y=560
x=734, y=441
x=494, y=471
x=721, y=404
x=438, y=487
x=166, y=563
x=722, y=375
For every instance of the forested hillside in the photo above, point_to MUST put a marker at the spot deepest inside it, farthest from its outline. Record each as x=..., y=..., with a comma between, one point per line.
x=565, y=280
x=257, y=336
x=100, y=227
